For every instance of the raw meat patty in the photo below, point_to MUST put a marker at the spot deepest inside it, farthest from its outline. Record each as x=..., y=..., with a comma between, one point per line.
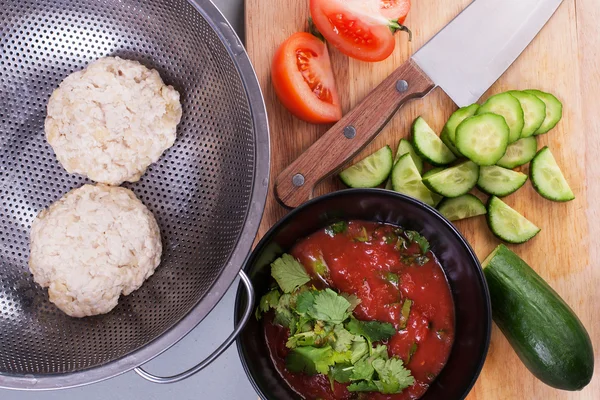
x=112, y=120
x=91, y=246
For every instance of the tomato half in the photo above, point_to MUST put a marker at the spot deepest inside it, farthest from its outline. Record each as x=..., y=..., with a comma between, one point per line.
x=303, y=79
x=395, y=9
x=357, y=28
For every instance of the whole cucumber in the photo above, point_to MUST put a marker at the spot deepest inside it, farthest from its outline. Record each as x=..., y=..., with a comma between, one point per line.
x=542, y=329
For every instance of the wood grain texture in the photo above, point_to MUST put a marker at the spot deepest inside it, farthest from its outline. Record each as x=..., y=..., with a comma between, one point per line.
x=563, y=59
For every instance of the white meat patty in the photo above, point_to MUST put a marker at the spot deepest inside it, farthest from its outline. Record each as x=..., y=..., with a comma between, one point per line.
x=112, y=120
x=91, y=246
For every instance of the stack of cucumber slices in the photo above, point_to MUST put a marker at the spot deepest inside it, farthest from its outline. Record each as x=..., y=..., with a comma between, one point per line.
x=479, y=146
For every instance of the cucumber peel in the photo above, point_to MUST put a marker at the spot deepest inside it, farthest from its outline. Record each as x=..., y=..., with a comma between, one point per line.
x=465, y=206
x=542, y=329
x=507, y=224
x=369, y=172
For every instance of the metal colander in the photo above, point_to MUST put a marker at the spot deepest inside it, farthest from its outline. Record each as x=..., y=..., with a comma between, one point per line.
x=207, y=192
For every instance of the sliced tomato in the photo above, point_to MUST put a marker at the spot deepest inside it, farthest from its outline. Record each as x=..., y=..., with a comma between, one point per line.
x=357, y=28
x=303, y=79
x=395, y=9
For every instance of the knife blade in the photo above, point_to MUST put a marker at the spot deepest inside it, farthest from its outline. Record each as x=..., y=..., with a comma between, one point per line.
x=470, y=53
x=465, y=58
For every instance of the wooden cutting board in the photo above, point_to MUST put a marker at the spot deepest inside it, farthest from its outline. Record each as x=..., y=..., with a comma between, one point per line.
x=563, y=59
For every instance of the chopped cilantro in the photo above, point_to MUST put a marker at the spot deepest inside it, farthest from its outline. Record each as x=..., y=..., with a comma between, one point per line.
x=352, y=299
x=363, y=236
x=420, y=260
x=330, y=307
x=310, y=360
x=321, y=268
x=284, y=317
x=374, y=331
x=268, y=301
x=289, y=273
x=359, y=349
x=337, y=227
x=304, y=302
x=341, y=372
x=390, y=238
x=342, y=339
x=416, y=237
x=411, y=352
x=363, y=370
x=405, y=313
x=392, y=278
x=362, y=386
x=393, y=376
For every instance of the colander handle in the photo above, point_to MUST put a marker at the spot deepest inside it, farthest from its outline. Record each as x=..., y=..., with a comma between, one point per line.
x=351, y=134
x=236, y=331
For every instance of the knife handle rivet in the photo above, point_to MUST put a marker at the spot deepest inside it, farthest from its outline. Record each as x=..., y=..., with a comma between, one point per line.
x=349, y=132
x=298, y=180
x=401, y=86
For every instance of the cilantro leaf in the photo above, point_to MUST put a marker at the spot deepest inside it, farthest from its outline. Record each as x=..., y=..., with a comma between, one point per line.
x=362, y=370
x=304, y=302
x=393, y=376
x=362, y=386
x=310, y=360
x=342, y=339
x=341, y=372
x=359, y=349
x=289, y=273
x=284, y=317
x=416, y=237
x=352, y=299
x=380, y=351
x=310, y=338
x=374, y=331
x=337, y=227
x=330, y=307
x=304, y=324
x=268, y=301
x=341, y=357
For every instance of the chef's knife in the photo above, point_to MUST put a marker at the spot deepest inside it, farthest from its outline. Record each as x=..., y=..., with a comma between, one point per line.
x=465, y=58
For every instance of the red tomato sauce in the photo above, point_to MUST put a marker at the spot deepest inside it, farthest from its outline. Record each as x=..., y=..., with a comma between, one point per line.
x=362, y=267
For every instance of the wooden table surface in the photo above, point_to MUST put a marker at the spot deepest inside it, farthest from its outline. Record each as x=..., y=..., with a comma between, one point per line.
x=563, y=59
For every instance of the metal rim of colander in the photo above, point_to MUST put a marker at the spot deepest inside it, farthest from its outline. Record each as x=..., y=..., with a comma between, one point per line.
x=234, y=46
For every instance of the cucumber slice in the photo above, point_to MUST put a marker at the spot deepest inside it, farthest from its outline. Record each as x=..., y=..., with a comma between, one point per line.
x=541, y=328
x=507, y=224
x=404, y=147
x=428, y=145
x=483, y=138
x=509, y=107
x=547, y=178
x=500, y=181
x=518, y=153
x=553, y=110
x=370, y=171
x=465, y=206
x=432, y=171
x=448, y=135
x=407, y=180
x=534, y=111
x=454, y=181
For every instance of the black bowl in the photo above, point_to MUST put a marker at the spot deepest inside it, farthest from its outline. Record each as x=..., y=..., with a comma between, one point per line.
x=463, y=271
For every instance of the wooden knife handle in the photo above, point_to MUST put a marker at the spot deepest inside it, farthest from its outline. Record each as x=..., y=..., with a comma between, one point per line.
x=351, y=134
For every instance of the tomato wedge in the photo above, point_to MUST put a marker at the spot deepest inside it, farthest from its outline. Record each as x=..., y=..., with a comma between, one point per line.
x=357, y=28
x=303, y=79
x=395, y=9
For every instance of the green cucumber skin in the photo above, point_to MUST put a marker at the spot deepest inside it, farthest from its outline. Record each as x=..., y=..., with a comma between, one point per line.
x=542, y=329
x=540, y=191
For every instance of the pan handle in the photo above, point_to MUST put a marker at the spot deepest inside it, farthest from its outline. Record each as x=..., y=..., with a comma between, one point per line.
x=236, y=331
